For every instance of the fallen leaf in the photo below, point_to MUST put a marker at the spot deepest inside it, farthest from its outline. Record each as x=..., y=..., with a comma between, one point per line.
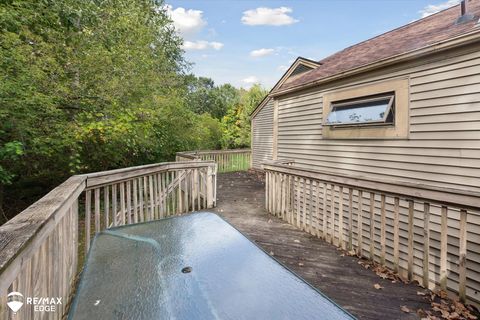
x=437, y=309
x=445, y=314
x=271, y=253
x=351, y=253
x=377, y=286
x=296, y=241
x=405, y=309
x=420, y=293
x=300, y=264
x=421, y=313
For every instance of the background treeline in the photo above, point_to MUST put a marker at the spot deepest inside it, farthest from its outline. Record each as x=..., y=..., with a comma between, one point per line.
x=101, y=84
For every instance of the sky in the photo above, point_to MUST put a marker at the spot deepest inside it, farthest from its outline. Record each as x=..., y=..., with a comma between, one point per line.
x=244, y=42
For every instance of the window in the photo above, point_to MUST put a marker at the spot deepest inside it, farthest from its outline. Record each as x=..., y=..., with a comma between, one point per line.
x=364, y=111
x=378, y=110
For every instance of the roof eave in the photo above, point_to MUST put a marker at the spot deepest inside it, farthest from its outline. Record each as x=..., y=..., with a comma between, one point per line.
x=260, y=106
x=285, y=76
x=458, y=41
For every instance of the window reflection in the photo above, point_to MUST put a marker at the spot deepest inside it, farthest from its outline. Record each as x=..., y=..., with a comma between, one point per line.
x=362, y=111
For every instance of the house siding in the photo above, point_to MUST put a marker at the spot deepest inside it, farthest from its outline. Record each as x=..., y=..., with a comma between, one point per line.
x=443, y=148
x=262, y=136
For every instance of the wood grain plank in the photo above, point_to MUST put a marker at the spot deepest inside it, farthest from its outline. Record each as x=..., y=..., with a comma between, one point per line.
x=383, y=230
x=426, y=244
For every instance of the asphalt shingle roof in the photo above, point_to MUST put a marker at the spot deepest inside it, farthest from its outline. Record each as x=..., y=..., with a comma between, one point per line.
x=416, y=35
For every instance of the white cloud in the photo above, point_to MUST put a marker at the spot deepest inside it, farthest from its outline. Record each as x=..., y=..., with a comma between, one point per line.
x=261, y=52
x=250, y=80
x=202, y=45
x=283, y=68
x=268, y=16
x=186, y=21
x=434, y=8
x=216, y=45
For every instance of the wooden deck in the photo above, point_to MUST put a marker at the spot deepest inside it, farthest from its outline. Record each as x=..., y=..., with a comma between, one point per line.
x=241, y=201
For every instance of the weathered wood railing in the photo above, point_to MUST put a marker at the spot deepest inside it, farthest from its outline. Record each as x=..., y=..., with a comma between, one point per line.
x=227, y=160
x=425, y=233
x=40, y=247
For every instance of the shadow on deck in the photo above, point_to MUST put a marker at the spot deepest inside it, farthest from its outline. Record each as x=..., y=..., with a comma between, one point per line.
x=241, y=201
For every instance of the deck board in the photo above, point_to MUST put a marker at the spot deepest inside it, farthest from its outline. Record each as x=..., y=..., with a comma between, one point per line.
x=240, y=201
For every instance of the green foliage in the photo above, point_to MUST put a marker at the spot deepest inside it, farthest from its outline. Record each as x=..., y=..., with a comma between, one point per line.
x=210, y=132
x=97, y=85
x=203, y=96
x=236, y=124
x=87, y=86
x=230, y=105
x=9, y=152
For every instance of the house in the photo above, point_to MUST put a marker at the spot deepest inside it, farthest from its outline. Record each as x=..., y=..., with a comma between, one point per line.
x=394, y=116
x=403, y=106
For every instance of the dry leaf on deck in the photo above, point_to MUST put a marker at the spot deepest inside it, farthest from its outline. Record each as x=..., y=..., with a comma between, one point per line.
x=405, y=309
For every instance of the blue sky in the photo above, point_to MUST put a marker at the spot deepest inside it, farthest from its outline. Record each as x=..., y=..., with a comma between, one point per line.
x=242, y=42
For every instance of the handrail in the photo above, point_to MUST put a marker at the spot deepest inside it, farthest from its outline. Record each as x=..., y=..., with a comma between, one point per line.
x=227, y=160
x=278, y=162
x=32, y=226
x=110, y=176
x=392, y=223
x=202, y=152
x=456, y=197
x=40, y=248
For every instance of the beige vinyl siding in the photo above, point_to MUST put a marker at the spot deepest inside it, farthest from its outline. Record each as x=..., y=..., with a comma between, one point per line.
x=443, y=148
x=262, y=136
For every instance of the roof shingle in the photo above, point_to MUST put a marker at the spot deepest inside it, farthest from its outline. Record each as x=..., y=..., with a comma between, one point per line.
x=416, y=35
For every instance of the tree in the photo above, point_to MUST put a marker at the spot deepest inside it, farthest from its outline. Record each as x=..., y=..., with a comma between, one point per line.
x=96, y=85
x=202, y=96
x=236, y=124
x=9, y=153
x=86, y=86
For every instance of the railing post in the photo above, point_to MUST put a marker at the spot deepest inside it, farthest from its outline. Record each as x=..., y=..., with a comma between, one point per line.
x=210, y=186
x=462, y=257
x=398, y=231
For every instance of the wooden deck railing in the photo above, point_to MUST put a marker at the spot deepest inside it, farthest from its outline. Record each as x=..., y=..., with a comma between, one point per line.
x=41, y=246
x=227, y=160
x=425, y=233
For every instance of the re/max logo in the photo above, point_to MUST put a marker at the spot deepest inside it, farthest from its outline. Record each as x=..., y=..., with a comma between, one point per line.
x=40, y=300
x=15, y=301
x=41, y=304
